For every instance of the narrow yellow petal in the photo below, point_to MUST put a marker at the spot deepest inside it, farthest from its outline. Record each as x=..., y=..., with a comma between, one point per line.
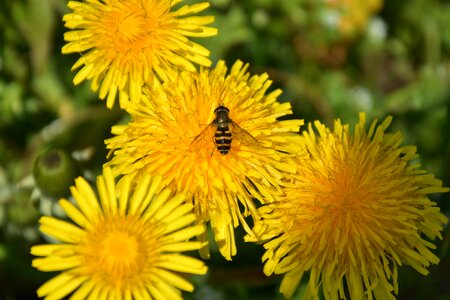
x=182, y=246
x=48, y=249
x=55, y=284
x=182, y=263
x=169, y=206
x=49, y=264
x=84, y=290
x=176, y=280
x=141, y=196
x=61, y=230
x=74, y=213
x=185, y=233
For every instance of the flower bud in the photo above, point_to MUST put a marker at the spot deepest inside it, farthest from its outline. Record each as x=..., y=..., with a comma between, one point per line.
x=54, y=172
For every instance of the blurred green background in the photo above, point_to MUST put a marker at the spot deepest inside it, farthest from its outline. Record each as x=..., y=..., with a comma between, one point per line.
x=332, y=59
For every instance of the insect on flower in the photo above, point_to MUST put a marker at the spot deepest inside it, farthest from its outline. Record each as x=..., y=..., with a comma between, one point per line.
x=222, y=130
x=163, y=138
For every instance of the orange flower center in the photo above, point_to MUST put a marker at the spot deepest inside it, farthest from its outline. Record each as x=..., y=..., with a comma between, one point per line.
x=119, y=249
x=130, y=26
x=346, y=188
x=133, y=26
x=119, y=252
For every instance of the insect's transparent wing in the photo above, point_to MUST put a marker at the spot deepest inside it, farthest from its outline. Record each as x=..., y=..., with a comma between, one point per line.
x=203, y=143
x=243, y=136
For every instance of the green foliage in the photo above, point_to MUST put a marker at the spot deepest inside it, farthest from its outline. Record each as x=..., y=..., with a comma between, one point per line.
x=399, y=64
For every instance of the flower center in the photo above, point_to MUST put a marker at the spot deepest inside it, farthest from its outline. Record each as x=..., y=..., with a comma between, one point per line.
x=131, y=27
x=119, y=253
x=119, y=249
x=347, y=187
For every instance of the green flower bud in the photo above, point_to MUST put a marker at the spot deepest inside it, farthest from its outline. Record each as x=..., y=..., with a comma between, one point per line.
x=54, y=172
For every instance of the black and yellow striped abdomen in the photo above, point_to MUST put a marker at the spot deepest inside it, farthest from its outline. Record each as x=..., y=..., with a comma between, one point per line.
x=222, y=139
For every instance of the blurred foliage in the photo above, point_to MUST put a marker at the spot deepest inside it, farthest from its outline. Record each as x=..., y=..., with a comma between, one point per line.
x=332, y=58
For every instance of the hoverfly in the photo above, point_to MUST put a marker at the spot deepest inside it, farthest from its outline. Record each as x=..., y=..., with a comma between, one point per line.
x=222, y=130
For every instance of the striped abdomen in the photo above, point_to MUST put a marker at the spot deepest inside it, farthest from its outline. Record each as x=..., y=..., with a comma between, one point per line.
x=223, y=139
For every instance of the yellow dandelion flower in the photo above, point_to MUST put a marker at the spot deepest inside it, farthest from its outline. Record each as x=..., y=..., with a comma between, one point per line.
x=126, y=245
x=172, y=133
x=357, y=210
x=125, y=44
x=355, y=14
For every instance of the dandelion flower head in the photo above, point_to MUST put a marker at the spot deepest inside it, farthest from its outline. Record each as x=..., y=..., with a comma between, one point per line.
x=354, y=15
x=170, y=134
x=357, y=210
x=124, y=44
x=124, y=244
